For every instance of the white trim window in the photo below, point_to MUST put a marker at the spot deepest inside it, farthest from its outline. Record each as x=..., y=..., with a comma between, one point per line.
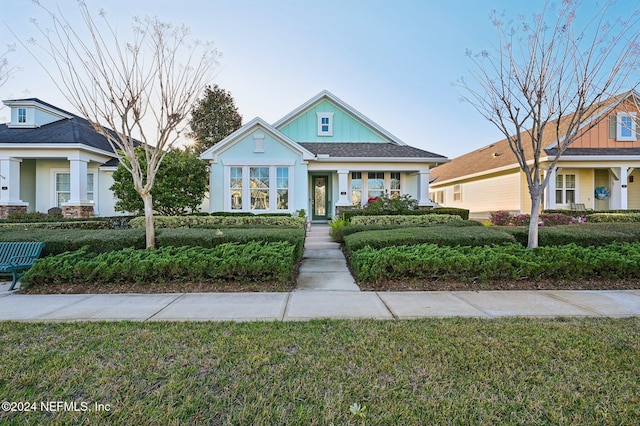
x=457, y=192
x=374, y=184
x=282, y=188
x=63, y=187
x=258, y=188
x=325, y=123
x=626, y=126
x=22, y=116
x=565, y=189
x=235, y=187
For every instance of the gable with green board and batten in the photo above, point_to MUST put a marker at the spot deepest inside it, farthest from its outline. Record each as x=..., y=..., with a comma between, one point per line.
x=339, y=158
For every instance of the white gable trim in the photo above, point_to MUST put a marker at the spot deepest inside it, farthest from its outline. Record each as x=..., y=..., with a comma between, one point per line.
x=257, y=123
x=325, y=94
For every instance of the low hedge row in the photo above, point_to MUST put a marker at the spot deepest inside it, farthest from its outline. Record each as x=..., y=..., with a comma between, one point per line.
x=101, y=241
x=285, y=221
x=342, y=232
x=588, y=234
x=214, y=237
x=614, y=217
x=115, y=222
x=61, y=240
x=494, y=263
x=404, y=220
x=463, y=213
x=253, y=261
x=586, y=213
x=439, y=235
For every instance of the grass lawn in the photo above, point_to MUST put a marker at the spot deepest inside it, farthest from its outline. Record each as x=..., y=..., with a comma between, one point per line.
x=436, y=371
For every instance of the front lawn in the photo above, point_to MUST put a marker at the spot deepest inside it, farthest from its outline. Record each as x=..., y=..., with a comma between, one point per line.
x=435, y=371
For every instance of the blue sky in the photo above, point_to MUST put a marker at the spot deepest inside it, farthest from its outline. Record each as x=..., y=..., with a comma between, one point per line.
x=393, y=60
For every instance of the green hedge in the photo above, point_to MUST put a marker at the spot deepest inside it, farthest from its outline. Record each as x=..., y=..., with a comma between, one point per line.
x=494, y=263
x=587, y=234
x=353, y=229
x=439, y=235
x=253, y=261
x=463, y=213
x=214, y=237
x=40, y=220
x=586, y=213
x=613, y=217
x=404, y=220
x=61, y=240
x=285, y=221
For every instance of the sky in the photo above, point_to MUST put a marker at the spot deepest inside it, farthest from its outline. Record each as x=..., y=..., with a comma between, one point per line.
x=395, y=61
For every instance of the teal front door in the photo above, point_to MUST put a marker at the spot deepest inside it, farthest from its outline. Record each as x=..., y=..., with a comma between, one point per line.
x=319, y=201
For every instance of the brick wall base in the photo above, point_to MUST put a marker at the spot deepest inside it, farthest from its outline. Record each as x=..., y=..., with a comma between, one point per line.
x=5, y=211
x=425, y=207
x=77, y=211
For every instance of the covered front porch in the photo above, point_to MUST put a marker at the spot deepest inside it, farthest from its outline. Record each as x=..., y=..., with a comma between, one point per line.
x=597, y=187
x=333, y=190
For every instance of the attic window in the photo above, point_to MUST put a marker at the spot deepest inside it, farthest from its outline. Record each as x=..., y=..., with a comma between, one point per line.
x=626, y=127
x=325, y=123
x=22, y=116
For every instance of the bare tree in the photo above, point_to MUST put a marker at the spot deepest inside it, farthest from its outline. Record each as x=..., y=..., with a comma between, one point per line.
x=546, y=75
x=150, y=82
x=6, y=70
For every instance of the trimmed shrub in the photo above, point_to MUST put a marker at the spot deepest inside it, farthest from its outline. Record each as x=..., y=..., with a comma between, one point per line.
x=253, y=261
x=439, y=235
x=41, y=220
x=282, y=221
x=210, y=238
x=614, y=217
x=404, y=220
x=510, y=262
x=348, y=215
x=584, y=235
x=339, y=234
x=96, y=241
x=505, y=218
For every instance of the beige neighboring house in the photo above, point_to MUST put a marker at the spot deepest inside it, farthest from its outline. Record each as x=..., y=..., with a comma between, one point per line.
x=600, y=170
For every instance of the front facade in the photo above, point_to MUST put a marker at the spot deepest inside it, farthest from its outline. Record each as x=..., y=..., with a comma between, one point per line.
x=322, y=158
x=52, y=158
x=600, y=170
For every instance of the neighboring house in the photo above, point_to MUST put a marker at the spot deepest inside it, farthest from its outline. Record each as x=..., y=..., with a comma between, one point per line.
x=322, y=157
x=601, y=169
x=52, y=158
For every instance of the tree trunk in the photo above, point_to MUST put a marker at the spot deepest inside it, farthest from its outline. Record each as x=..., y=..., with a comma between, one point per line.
x=148, y=220
x=536, y=200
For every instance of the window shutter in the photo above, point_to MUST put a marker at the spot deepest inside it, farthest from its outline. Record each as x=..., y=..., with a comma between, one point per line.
x=613, y=126
x=637, y=127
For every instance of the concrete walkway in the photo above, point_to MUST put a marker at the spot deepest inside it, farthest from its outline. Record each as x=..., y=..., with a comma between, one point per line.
x=304, y=305
x=323, y=265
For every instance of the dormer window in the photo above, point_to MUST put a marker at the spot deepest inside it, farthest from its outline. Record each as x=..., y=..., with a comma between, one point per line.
x=325, y=124
x=22, y=116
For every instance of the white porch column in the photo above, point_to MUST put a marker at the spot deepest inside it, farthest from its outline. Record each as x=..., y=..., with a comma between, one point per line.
x=78, y=171
x=343, y=188
x=423, y=185
x=10, y=181
x=550, y=199
x=624, y=181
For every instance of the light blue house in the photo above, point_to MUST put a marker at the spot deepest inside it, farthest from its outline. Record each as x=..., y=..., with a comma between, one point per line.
x=323, y=157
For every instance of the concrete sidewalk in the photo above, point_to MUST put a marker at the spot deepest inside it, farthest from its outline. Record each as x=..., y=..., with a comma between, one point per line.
x=309, y=304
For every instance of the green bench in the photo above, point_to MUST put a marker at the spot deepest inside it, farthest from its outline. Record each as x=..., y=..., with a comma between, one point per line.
x=17, y=257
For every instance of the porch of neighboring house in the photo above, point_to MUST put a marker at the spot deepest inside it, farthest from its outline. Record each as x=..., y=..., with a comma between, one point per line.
x=597, y=188
x=38, y=184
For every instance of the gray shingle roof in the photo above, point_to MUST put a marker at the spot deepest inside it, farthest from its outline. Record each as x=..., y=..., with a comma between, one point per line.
x=595, y=151
x=368, y=150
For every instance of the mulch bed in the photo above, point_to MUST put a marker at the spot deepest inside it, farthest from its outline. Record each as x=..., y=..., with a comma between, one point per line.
x=180, y=287
x=397, y=285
